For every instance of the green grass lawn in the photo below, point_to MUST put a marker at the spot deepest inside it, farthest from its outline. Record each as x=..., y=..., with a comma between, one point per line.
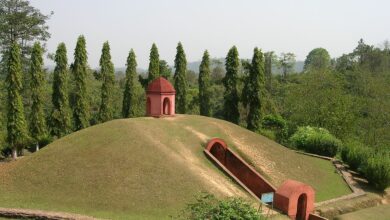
x=147, y=168
x=374, y=213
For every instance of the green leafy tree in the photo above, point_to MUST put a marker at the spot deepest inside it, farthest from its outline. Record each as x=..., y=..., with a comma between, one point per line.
x=130, y=92
x=38, y=128
x=204, y=85
x=21, y=23
x=165, y=69
x=286, y=62
x=16, y=123
x=256, y=91
x=108, y=78
x=79, y=69
x=269, y=60
x=60, y=115
x=154, y=64
x=218, y=71
x=230, y=81
x=180, y=79
x=317, y=59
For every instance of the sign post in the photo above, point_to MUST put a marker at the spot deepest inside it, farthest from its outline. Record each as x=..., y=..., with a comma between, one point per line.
x=268, y=198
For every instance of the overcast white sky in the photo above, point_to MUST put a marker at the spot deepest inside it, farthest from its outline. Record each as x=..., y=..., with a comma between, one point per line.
x=280, y=25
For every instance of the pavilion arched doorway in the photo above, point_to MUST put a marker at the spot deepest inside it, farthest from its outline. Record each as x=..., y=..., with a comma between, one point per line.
x=148, y=106
x=166, y=106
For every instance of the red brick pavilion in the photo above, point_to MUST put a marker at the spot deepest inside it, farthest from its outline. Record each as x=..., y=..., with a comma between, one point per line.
x=160, y=98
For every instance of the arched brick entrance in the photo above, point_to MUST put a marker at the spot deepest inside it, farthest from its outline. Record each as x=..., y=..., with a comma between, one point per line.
x=295, y=199
x=301, y=207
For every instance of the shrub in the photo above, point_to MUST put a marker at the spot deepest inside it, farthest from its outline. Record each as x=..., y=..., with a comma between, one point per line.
x=315, y=140
x=274, y=122
x=267, y=133
x=354, y=154
x=377, y=170
x=277, y=124
x=209, y=207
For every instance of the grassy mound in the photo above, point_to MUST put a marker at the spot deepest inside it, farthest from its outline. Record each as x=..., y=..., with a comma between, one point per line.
x=147, y=168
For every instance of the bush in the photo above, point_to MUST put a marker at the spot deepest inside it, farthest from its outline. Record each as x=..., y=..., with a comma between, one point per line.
x=377, y=170
x=354, y=154
x=274, y=122
x=315, y=140
x=209, y=207
x=267, y=133
x=277, y=124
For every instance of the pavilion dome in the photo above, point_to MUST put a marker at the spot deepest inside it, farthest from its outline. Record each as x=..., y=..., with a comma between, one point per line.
x=160, y=85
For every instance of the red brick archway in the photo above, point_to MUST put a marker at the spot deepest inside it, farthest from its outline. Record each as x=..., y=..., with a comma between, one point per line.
x=295, y=199
x=301, y=207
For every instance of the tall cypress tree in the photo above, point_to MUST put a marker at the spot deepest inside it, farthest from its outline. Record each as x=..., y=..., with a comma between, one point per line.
x=154, y=64
x=16, y=122
x=129, y=94
x=204, y=85
x=60, y=116
x=256, y=94
x=38, y=128
x=108, y=78
x=180, y=79
x=230, y=81
x=79, y=69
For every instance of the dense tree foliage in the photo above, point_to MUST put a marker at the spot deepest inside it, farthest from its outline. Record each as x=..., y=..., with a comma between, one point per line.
x=165, y=69
x=154, y=64
x=255, y=91
x=60, y=115
x=38, y=128
x=317, y=59
x=16, y=123
x=180, y=81
x=108, y=78
x=269, y=60
x=204, y=85
x=230, y=81
x=80, y=103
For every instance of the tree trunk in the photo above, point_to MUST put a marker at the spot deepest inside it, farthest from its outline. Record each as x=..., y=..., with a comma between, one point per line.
x=37, y=147
x=14, y=153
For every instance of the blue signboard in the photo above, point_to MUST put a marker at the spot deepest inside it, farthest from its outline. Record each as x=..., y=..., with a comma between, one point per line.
x=267, y=197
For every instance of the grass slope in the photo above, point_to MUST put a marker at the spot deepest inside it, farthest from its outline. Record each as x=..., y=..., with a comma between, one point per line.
x=147, y=168
x=374, y=213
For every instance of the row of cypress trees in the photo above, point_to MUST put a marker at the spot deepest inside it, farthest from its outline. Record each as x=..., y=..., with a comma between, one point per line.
x=60, y=120
x=253, y=96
